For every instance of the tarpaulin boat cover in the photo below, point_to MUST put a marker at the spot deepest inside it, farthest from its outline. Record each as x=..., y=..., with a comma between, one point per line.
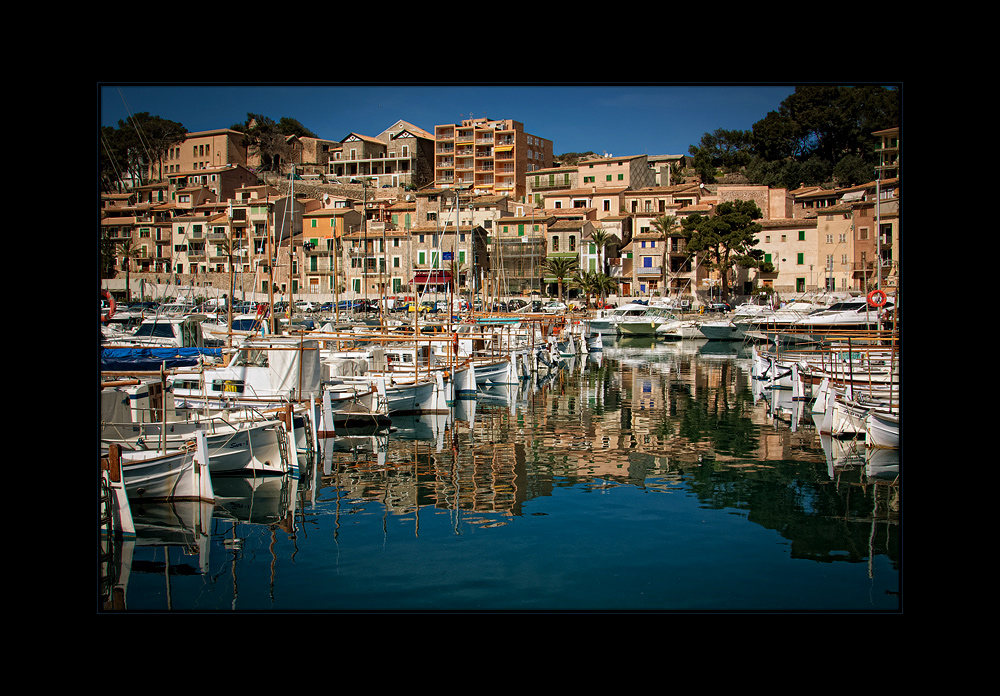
x=150, y=359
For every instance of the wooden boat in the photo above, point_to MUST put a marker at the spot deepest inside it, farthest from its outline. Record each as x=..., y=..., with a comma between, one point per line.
x=167, y=475
x=133, y=416
x=882, y=429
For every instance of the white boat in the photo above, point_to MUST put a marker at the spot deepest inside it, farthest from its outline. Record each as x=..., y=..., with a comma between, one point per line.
x=172, y=475
x=855, y=314
x=766, y=326
x=262, y=373
x=729, y=329
x=606, y=321
x=646, y=323
x=243, y=326
x=132, y=416
x=169, y=331
x=680, y=329
x=882, y=429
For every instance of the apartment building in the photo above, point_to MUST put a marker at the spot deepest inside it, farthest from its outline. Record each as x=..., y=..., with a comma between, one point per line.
x=401, y=155
x=211, y=149
x=520, y=245
x=632, y=172
x=488, y=156
x=661, y=266
x=790, y=246
x=550, y=180
x=320, y=255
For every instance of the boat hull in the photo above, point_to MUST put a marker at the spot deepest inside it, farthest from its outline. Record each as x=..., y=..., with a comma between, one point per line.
x=882, y=430
x=174, y=476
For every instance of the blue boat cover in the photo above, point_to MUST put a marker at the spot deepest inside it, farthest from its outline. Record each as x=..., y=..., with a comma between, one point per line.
x=150, y=359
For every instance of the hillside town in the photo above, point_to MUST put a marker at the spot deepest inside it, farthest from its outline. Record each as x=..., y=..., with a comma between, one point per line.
x=480, y=206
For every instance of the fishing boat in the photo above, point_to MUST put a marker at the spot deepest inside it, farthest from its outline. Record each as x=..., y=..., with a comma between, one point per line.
x=882, y=429
x=139, y=415
x=167, y=475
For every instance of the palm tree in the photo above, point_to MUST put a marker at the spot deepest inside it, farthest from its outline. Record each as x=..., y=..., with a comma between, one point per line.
x=601, y=239
x=589, y=282
x=127, y=250
x=607, y=285
x=560, y=267
x=667, y=226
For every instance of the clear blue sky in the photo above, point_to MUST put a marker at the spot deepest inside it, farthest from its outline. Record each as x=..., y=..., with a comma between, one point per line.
x=618, y=119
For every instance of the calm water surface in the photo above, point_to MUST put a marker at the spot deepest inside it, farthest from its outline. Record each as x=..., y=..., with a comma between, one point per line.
x=655, y=477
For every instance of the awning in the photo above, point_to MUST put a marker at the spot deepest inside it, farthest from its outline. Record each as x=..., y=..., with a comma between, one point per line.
x=432, y=277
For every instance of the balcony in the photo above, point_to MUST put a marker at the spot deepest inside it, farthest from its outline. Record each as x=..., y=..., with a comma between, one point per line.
x=649, y=271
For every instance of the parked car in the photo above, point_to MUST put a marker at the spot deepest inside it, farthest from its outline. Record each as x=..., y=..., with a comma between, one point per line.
x=306, y=306
x=554, y=307
x=719, y=307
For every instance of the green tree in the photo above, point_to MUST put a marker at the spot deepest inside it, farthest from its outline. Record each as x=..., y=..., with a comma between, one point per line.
x=265, y=139
x=728, y=149
x=726, y=238
x=589, y=283
x=560, y=267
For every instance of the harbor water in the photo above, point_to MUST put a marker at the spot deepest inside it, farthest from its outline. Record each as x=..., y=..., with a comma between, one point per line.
x=652, y=476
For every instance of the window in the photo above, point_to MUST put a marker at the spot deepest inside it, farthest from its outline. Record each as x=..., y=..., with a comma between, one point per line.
x=800, y=258
x=555, y=244
x=802, y=235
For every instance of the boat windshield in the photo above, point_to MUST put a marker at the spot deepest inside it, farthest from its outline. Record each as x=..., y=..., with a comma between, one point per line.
x=154, y=330
x=251, y=358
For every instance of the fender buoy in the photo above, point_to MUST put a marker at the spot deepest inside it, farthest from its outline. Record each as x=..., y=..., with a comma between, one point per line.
x=111, y=306
x=454, y=341
x=876, y=298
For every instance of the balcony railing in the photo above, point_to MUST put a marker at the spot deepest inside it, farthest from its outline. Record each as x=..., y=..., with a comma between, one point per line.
x=649, y=270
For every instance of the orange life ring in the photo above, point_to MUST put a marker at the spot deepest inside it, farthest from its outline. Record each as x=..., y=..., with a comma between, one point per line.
x=876, y=298
x=111, y=306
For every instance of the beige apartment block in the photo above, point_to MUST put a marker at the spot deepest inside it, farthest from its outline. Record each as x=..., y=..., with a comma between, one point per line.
x=631, y=172
x=790, y=246
x=202, y=150
x=607, y=202
x=488, y=156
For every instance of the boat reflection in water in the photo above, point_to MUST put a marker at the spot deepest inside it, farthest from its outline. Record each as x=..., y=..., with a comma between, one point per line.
x=653, y=476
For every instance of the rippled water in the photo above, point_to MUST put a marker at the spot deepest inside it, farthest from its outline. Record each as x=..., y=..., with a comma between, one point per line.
x=653, y=477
